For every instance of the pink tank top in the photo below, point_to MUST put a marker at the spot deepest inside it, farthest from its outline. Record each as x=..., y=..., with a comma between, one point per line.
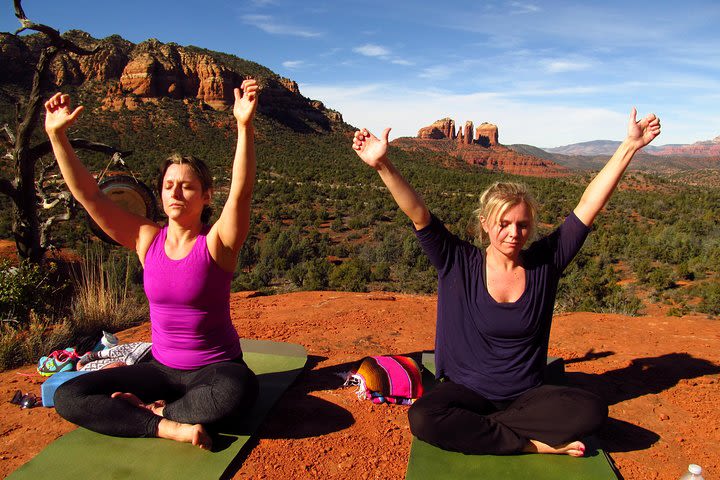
x=189, y=306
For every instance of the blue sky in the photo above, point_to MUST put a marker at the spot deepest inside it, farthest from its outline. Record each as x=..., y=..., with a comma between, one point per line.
x=547, y=73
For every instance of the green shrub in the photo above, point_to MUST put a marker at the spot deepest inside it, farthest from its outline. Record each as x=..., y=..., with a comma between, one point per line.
x=351, y=276
x=25, y=288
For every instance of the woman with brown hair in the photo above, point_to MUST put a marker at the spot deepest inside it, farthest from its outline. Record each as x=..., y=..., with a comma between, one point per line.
x=196, y=374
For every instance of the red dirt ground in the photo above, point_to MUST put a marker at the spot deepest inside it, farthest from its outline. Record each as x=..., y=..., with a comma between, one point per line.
x=659, y=374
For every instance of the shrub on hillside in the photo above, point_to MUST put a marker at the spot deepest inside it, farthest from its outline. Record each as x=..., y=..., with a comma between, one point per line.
x=25, y=288
x=351, y=276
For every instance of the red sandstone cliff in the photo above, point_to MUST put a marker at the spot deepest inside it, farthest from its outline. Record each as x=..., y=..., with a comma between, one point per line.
x=709, y=148
x=480, y=147
x=443, y=128
x=126, y=75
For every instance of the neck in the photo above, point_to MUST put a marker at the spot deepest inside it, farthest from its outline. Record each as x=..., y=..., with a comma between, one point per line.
x=180, y=233
x=501, y=261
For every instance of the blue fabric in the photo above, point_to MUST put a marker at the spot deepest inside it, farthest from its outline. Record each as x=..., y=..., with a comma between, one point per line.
x=52, y=384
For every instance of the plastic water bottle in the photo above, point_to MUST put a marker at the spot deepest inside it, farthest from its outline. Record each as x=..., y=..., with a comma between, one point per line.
x=694, y=472
x=108, y=340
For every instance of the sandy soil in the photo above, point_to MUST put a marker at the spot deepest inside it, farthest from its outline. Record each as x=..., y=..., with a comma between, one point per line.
x=659, y=374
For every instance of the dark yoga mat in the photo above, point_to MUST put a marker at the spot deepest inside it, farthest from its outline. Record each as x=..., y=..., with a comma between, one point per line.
x=429, y=462
x=83, y=454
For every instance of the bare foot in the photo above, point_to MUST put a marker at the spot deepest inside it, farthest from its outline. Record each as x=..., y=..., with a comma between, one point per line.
x=185, y=432
x=157, y=407
x=131, y=398
x=574, y=449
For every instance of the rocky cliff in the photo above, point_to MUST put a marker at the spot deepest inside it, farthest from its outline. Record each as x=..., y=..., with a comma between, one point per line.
x=708, y=148
x=486, y=134
x=443, y=128
x=496, y=157
x=479, y=146
x=125, y=75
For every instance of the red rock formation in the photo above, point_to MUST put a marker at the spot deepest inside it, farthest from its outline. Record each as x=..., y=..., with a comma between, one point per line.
x=468, y=134
x=290, y=85
x=708, y=148
x=125, y=75
x=443, y=128
x=486, y=134
x=498, y=158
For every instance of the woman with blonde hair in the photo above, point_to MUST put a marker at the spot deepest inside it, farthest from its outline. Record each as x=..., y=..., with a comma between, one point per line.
x=494, y=313
x=196, y=374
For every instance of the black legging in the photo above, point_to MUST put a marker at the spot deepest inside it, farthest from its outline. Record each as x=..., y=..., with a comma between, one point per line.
x=453, y=417
x=205, y=395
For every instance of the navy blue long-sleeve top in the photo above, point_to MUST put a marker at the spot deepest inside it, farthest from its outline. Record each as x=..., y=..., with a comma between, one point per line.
x=498, y=350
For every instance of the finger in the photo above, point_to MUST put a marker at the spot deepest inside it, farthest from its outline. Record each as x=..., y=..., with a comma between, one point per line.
x=386, y=134
x=237, y=93
x=356, y=147
x=76, y=112
x=633, y=115
x=65, y=100
x=56, y=98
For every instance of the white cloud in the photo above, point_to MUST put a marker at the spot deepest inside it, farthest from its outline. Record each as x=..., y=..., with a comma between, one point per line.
x=372, y=50
x=268, y=24
x=561, y=66
x=400, y=61
x=376, y=106
x=292, y=64
x=522, y=7
x=437, y=72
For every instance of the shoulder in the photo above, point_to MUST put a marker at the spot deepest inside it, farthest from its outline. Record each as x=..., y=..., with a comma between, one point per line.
x=148, y=235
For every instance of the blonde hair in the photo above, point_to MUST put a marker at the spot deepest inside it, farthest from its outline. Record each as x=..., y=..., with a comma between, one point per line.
x=496, y=200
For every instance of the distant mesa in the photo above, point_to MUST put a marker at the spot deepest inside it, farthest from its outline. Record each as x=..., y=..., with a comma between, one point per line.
x=478, y=146
x=486, y=134
x=706, y=148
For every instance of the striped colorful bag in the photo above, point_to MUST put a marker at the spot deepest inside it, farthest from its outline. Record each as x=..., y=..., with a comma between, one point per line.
x=387, y=378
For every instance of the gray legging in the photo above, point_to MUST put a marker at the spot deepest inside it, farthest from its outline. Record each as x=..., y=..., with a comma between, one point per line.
x=205, y=396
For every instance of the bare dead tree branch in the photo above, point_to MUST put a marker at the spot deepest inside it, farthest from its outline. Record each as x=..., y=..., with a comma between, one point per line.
x=10, y=135
x=43, y=148
x=53, y=35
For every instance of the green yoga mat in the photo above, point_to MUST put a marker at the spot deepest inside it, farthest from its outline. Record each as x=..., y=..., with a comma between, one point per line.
x=84, y=454
x=429, y=462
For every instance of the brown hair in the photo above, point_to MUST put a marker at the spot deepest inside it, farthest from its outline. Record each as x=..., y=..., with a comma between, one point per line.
x=500, y=196
x=200, y=169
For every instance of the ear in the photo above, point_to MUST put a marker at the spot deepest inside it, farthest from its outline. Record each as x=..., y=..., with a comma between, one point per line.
x=483, y=223
x=207, y=196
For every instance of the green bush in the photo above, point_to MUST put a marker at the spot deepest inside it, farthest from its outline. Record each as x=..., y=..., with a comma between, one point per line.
x=351, y=276
x=25, y=288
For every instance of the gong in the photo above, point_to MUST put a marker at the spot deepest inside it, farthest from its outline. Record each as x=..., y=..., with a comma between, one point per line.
x=131, y=195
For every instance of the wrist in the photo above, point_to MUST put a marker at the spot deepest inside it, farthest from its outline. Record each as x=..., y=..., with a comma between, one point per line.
x=632, y=145
x=56, y=134
x=245, y=127
x=383, y=164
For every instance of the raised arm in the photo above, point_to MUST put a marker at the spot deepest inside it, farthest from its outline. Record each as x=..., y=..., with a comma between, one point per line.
x=230, y=231
x=598, y=192
x=373, y=151
x=128, y=229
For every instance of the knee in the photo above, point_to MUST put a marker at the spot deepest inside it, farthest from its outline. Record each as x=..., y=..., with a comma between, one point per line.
x=68, y=400
x=237, y=394
x=593, y=411
x=422, y=423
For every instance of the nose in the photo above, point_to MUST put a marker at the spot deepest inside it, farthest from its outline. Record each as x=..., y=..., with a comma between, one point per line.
x=513, y=230
x=176, y=191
